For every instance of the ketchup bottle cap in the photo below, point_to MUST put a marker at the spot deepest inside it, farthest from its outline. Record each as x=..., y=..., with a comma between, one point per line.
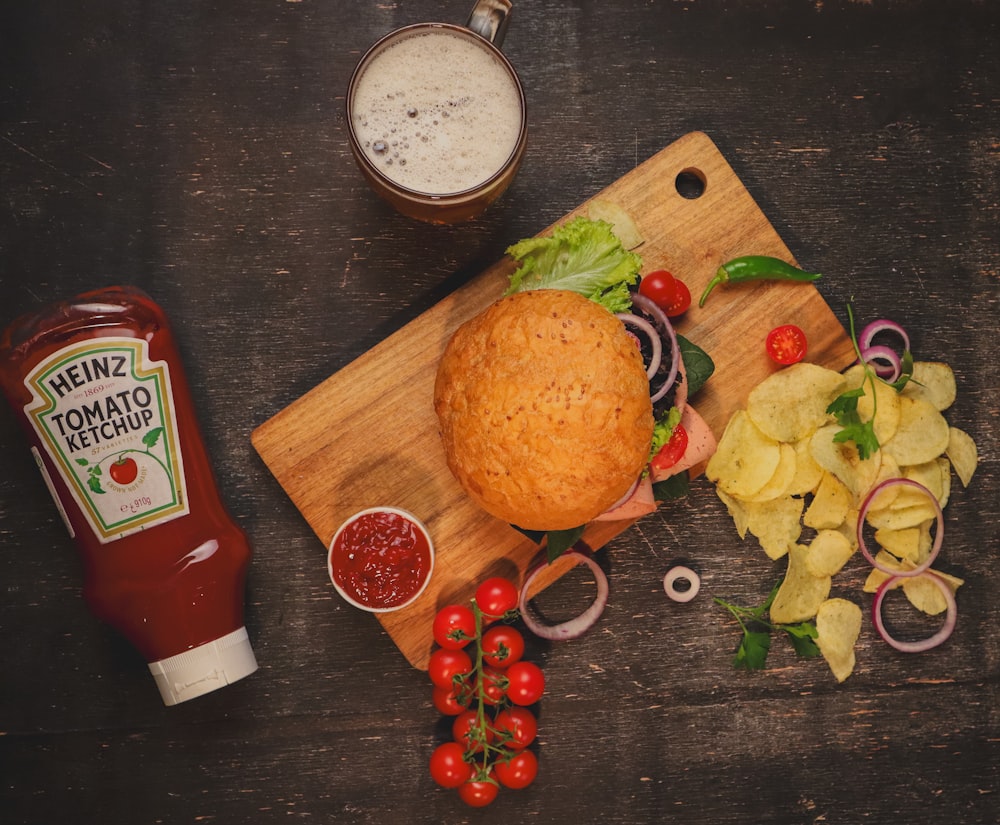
x=205, y=668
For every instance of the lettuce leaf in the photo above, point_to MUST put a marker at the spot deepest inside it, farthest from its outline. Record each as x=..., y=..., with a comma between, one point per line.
x=582, y=256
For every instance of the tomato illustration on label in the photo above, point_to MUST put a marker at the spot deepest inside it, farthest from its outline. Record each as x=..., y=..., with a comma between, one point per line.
x=124, y=470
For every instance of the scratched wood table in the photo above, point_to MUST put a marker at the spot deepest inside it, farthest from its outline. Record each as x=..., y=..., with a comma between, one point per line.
x=199, y=152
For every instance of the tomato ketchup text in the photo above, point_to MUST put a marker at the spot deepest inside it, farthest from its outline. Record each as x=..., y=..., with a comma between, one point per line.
x=381, y=559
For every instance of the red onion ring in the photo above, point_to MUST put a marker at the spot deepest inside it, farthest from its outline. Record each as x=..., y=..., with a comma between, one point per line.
x=631, y=490
x=924, y=644
x=665, y=328
x=678, y=573
x=882, y=325
x=573, y=628
x=885, y=362
x=655, y=341
x=938, y=533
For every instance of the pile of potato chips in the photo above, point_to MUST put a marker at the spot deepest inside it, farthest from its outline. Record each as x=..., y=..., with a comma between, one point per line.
x=778, y=471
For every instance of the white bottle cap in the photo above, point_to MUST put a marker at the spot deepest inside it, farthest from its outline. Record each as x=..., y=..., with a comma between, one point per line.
x=205, y=668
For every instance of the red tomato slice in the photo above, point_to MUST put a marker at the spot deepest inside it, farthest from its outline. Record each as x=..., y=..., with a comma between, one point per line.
x=671, y=452
x=786, y=344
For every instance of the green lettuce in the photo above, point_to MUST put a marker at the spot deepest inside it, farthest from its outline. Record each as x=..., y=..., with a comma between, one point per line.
x=582, y=256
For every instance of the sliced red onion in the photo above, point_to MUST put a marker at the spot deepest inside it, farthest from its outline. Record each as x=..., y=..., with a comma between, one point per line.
x=665, y=328
x=655, y=341
x=573, y=628
x=626, y=497
x=938, y=533
x=884, y=360
x=882, y=325
x=924, y=644
x=681, y=573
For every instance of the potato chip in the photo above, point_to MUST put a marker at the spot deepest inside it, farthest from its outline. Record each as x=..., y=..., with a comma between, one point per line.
x=879, y=401
x=745, y=459
x=922, y=433
x=801, y=593
x=791, y=404
x=838, y=625
x=737, y=510
x=775, y=523
x=903, y=543
x=963, y=454
x=807, y=472
x=935, y=475
x=926, y=596
x=933, y=382
x=828, y=553
x=623, y=224
x=842, y=459
x=830, y=504
x=782, y=478
x=897, y=518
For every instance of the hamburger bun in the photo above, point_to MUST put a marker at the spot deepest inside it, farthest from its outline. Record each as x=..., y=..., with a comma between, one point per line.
x=544, y=410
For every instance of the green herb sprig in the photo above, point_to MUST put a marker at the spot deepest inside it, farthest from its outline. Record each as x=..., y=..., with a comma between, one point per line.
x=751, y=654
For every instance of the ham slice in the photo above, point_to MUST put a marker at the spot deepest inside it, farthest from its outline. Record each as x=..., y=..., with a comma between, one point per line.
x=640, y=503
x=701, y=444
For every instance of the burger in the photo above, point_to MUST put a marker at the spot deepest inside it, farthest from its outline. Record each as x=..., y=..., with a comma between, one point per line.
x=553, y=401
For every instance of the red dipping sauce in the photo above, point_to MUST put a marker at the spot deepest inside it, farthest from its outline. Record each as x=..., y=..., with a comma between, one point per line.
x=381, y=559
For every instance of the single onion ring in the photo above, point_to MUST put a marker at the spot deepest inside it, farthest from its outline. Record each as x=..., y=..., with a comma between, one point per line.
x=663, y=325
x=655, y=341
x=938, y=533
x=573, y=628
x=629, y=493
x=677, y=573
x=884, y=360
x=882, y=325
x=931, y=641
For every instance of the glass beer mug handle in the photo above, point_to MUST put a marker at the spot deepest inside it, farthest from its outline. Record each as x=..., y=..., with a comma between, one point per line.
x=489, y=19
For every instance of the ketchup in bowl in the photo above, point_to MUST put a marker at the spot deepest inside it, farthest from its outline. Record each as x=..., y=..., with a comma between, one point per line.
x=381, y=559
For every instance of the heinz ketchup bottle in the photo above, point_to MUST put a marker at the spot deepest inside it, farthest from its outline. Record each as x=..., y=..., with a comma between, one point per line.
x=97, y=384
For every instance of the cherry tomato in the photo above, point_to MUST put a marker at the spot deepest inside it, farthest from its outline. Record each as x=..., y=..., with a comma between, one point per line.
x=493, y=684
x=659, y=287
x=449, y=700
x=786, y=344
x=671, y=452
x=479, y=792
x=445, y=665
x=467, y=732
x=682, y=300
x=525, y=683
x=519, y=771
x=496, y=596
x=502, y=646
x=448, y=766
x=517, y=723
x=454, y=626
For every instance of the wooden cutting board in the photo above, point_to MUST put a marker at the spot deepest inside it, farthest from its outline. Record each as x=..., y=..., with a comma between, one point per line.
x=367, y=436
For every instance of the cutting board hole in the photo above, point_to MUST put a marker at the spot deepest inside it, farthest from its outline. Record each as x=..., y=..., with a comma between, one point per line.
x=690, y=184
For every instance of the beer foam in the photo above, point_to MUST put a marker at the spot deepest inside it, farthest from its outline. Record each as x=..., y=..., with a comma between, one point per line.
x=436, y=113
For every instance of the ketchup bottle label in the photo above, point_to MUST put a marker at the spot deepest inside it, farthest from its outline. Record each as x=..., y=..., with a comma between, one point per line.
x=104, y=412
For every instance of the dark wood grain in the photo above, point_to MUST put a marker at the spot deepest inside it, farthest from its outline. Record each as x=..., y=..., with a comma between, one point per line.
x=198, y=150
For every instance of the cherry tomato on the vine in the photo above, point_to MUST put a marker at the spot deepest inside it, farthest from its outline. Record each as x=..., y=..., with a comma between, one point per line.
x=517, y=723
x=525, y=683
x=496, y=596
x=478, y=792
x=445, y=665
x=519, y=771
x=449, y=700
x=467, y=731
x=502, y=646
x=493, y=682
x=786, y=344
x=454, y=626
x=671, y=452
x=448, y=766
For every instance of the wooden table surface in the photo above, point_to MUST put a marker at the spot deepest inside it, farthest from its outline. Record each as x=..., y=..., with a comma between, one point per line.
x=198, y=150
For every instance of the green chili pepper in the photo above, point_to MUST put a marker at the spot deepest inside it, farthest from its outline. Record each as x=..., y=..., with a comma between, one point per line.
x=755, y=268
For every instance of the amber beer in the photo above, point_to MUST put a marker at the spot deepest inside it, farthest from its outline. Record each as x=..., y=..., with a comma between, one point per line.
x=436, y=121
